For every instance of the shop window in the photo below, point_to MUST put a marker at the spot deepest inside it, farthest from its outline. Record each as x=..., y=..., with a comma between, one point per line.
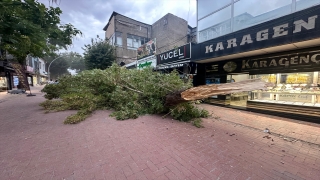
x=290, y=88
x=303, y=4
x=248, y=13
x=3, y=83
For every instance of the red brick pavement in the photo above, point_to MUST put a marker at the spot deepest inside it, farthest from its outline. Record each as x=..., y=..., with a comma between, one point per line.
x=35, y=145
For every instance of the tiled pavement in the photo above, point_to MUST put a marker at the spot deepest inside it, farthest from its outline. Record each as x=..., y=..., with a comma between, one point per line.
x=34, y=145
x=293, y=130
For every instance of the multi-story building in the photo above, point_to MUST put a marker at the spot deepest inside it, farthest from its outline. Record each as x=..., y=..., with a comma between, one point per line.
x=127, y=35
x=275, y=40
x=36, y=70
x=42, y=75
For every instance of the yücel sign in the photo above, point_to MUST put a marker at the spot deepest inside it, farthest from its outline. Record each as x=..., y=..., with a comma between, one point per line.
x=263, y=35
x=179, y=54
x=283, y=61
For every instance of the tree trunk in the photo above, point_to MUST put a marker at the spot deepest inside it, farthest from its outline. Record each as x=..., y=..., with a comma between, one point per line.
x=205, y=91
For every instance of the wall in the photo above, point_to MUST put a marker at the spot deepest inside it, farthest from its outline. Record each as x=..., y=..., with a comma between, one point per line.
x=129, y=26
x=170, y=31
x=109, y=32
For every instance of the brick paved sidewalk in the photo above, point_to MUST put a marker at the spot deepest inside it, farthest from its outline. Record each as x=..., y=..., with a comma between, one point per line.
x=35, y=145
x=292, y=130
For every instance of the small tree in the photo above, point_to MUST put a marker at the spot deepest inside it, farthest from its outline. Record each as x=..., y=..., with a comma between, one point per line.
x=99, y=54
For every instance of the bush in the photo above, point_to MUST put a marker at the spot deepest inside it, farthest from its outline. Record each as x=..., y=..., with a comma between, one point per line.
x=130, y=93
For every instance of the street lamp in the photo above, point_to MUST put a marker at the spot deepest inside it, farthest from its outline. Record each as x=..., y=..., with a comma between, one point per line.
x=50, y=65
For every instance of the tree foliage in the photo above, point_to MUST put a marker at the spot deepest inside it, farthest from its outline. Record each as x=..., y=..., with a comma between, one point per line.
x=28, y=27
x=60, y=66
x=76, y=61
x=65, y=61
x=130, y=93
x=99, y=54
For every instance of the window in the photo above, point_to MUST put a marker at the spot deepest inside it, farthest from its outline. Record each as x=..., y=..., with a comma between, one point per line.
x=135, y=41
x=112, y=40
x=249, y=13
x=118, y=38
x=303, y=4
x=206, y=7
x=216, y=18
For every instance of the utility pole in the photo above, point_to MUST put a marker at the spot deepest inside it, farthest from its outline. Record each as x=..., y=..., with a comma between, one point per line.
x=50, y=65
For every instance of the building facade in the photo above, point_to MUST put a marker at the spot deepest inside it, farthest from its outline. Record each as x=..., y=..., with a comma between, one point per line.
x=134, y=39
x=279, y=43
x=170, y=31
x=127, y=35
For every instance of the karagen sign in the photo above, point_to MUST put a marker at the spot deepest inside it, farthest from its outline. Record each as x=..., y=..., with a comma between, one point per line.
x=263, y=35
x=303, y=59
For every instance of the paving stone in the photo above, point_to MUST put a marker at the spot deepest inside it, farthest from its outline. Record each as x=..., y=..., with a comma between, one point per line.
x=36, y=145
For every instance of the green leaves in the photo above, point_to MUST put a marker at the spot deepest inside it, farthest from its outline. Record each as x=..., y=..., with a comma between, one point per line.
x=28, y=27
x=130, y=93
x=99, y=54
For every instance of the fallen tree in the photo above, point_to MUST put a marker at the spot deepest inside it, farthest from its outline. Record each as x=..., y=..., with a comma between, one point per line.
x=131, y=93
x=205, y=91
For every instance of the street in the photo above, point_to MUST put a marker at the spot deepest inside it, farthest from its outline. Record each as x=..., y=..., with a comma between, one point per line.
x=233, y=145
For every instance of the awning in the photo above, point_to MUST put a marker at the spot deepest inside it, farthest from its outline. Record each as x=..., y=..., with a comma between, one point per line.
x=172, y=65
x=9, y=68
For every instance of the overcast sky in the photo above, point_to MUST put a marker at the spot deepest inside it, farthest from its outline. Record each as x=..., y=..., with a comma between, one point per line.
x=90, y=16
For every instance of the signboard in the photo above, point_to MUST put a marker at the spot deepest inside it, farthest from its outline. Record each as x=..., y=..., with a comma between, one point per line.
x=302, y=60
x=29, y=69
x=147, y=62
x=15, y=80
x=296, y=27
x=296, y=97
x=177, y=65
x=175, y=55
x=147, y=49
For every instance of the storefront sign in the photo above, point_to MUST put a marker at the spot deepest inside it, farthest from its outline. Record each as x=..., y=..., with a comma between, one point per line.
x=147, y=49
x=179, y=54
x=283, y=61
x=171, y=66
x=15, y=80
x=263, y=35
x=296, y=27
x=147, y=62
x=308, y=60
x=29, y=69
